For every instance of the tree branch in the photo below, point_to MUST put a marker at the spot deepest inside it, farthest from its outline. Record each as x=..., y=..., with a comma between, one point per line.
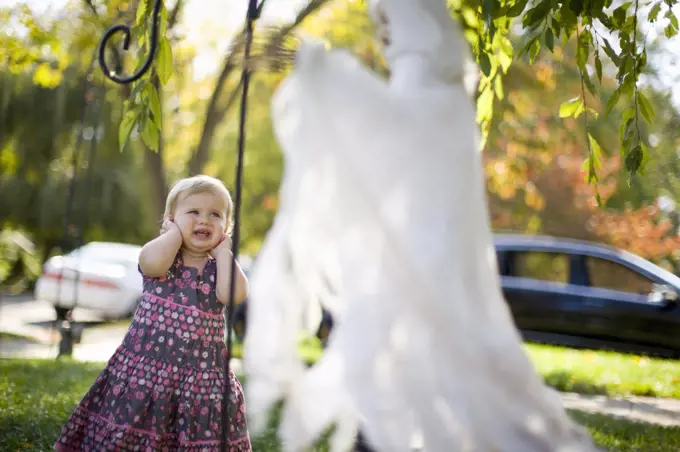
x=214, y=113
x=174, y=14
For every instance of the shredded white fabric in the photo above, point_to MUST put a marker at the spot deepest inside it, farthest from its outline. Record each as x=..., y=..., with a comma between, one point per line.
x=383, y=217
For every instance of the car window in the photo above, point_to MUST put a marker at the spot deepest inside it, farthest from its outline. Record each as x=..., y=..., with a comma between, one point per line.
x=606, y=274
x=544, y=266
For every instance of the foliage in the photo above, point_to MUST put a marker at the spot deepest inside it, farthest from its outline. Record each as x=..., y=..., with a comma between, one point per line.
x=143, y=109
x=535, y=174
x=200, y=126
x=37, y=157
x=48, y=56
x=19, y=263
x=39, y=395
x=488, y=26
x=642, y=230
x=593, y=24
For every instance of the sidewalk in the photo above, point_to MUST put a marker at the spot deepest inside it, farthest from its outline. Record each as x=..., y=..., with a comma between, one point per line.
x=645, y=409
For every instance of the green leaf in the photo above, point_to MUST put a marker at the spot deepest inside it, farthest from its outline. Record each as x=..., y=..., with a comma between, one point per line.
x=154, y=103
x=654, y=12
x=498, y=87
x=646, y=108
x=669, y=31
x=125, y=128
x=137, y=88
x=536, y=14
x=485, y=63
x=589, y=166
x=634, y=159
x=549, y=39
x=628, y=113
x=613, y=100
x=163, y=25
x=598, y=67
x=516, y=9
x=142, y=9
x=619, y=14
x=610, y=52
x=645, y=158
x=535, y=48
x=506, y=45
x=164, y=63
x=627, y=132
x=583, y=49
x=150, y=134
x=595, y=150
x=570, y=107
x=527, y=45
x=576, y=6
x=580, y=109
x=484, y=104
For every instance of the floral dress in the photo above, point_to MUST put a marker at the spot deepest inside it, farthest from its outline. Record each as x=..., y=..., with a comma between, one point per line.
x=164, y=387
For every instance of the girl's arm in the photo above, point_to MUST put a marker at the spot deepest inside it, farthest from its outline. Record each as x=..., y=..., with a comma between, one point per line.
x=223, y=259
x=158, y=255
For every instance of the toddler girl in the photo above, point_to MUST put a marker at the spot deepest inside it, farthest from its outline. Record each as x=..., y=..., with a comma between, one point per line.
x=164, y=387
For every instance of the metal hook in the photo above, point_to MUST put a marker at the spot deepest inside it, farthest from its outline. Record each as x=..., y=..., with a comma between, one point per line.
x=126, y=44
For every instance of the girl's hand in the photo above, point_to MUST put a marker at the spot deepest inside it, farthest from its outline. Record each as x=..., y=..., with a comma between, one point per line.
x=223, y=248
x=168, y=225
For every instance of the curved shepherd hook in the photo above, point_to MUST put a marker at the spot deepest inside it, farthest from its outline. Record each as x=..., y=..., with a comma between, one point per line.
x=126, y=44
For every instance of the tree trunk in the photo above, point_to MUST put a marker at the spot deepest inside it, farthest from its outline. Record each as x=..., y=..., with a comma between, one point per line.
x=157, y=182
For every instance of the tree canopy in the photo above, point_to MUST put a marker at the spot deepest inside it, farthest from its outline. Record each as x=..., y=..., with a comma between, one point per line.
x=488, y=24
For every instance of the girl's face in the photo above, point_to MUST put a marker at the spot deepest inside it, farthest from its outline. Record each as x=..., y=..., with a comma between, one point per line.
x=202, y=220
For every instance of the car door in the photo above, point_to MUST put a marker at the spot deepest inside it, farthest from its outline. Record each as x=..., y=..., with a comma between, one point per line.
x=536, y=286
x=618, y=307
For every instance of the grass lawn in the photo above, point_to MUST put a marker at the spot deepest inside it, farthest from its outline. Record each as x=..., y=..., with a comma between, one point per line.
x=39, y=395
x=607, y=373
x=581, y=371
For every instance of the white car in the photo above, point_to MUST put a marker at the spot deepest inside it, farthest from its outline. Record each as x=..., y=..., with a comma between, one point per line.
x=108, y=281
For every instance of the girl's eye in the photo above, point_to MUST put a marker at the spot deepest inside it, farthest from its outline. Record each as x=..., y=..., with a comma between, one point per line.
x=217, y=215
x=193, y=212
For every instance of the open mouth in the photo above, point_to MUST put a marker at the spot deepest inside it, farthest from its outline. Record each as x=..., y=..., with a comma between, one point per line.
x=203, y=234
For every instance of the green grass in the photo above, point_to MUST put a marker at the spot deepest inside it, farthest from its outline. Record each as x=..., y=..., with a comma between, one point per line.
x=39, y=395
x=11, y=337
x=604, y=372
x=581, y=371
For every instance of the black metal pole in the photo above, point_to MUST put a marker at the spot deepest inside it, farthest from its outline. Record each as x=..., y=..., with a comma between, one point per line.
x=252, y=15
x=65, y=328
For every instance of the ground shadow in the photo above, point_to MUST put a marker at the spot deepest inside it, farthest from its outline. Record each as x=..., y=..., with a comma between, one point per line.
x=567, y=382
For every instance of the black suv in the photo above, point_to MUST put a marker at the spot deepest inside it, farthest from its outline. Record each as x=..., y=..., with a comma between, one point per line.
x=579, y=294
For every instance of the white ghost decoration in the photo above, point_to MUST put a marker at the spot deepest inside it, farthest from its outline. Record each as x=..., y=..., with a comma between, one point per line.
x=383, y=217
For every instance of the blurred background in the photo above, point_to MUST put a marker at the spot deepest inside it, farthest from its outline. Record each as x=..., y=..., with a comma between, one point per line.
x=75, y=208
x=65, y=181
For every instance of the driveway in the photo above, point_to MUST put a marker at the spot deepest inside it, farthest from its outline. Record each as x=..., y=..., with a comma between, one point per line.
x=30, y=331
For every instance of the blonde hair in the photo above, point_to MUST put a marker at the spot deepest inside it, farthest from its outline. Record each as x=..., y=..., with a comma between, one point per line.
x=199, y=184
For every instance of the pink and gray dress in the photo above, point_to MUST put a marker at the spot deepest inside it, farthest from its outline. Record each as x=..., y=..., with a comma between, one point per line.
x=164, y=387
